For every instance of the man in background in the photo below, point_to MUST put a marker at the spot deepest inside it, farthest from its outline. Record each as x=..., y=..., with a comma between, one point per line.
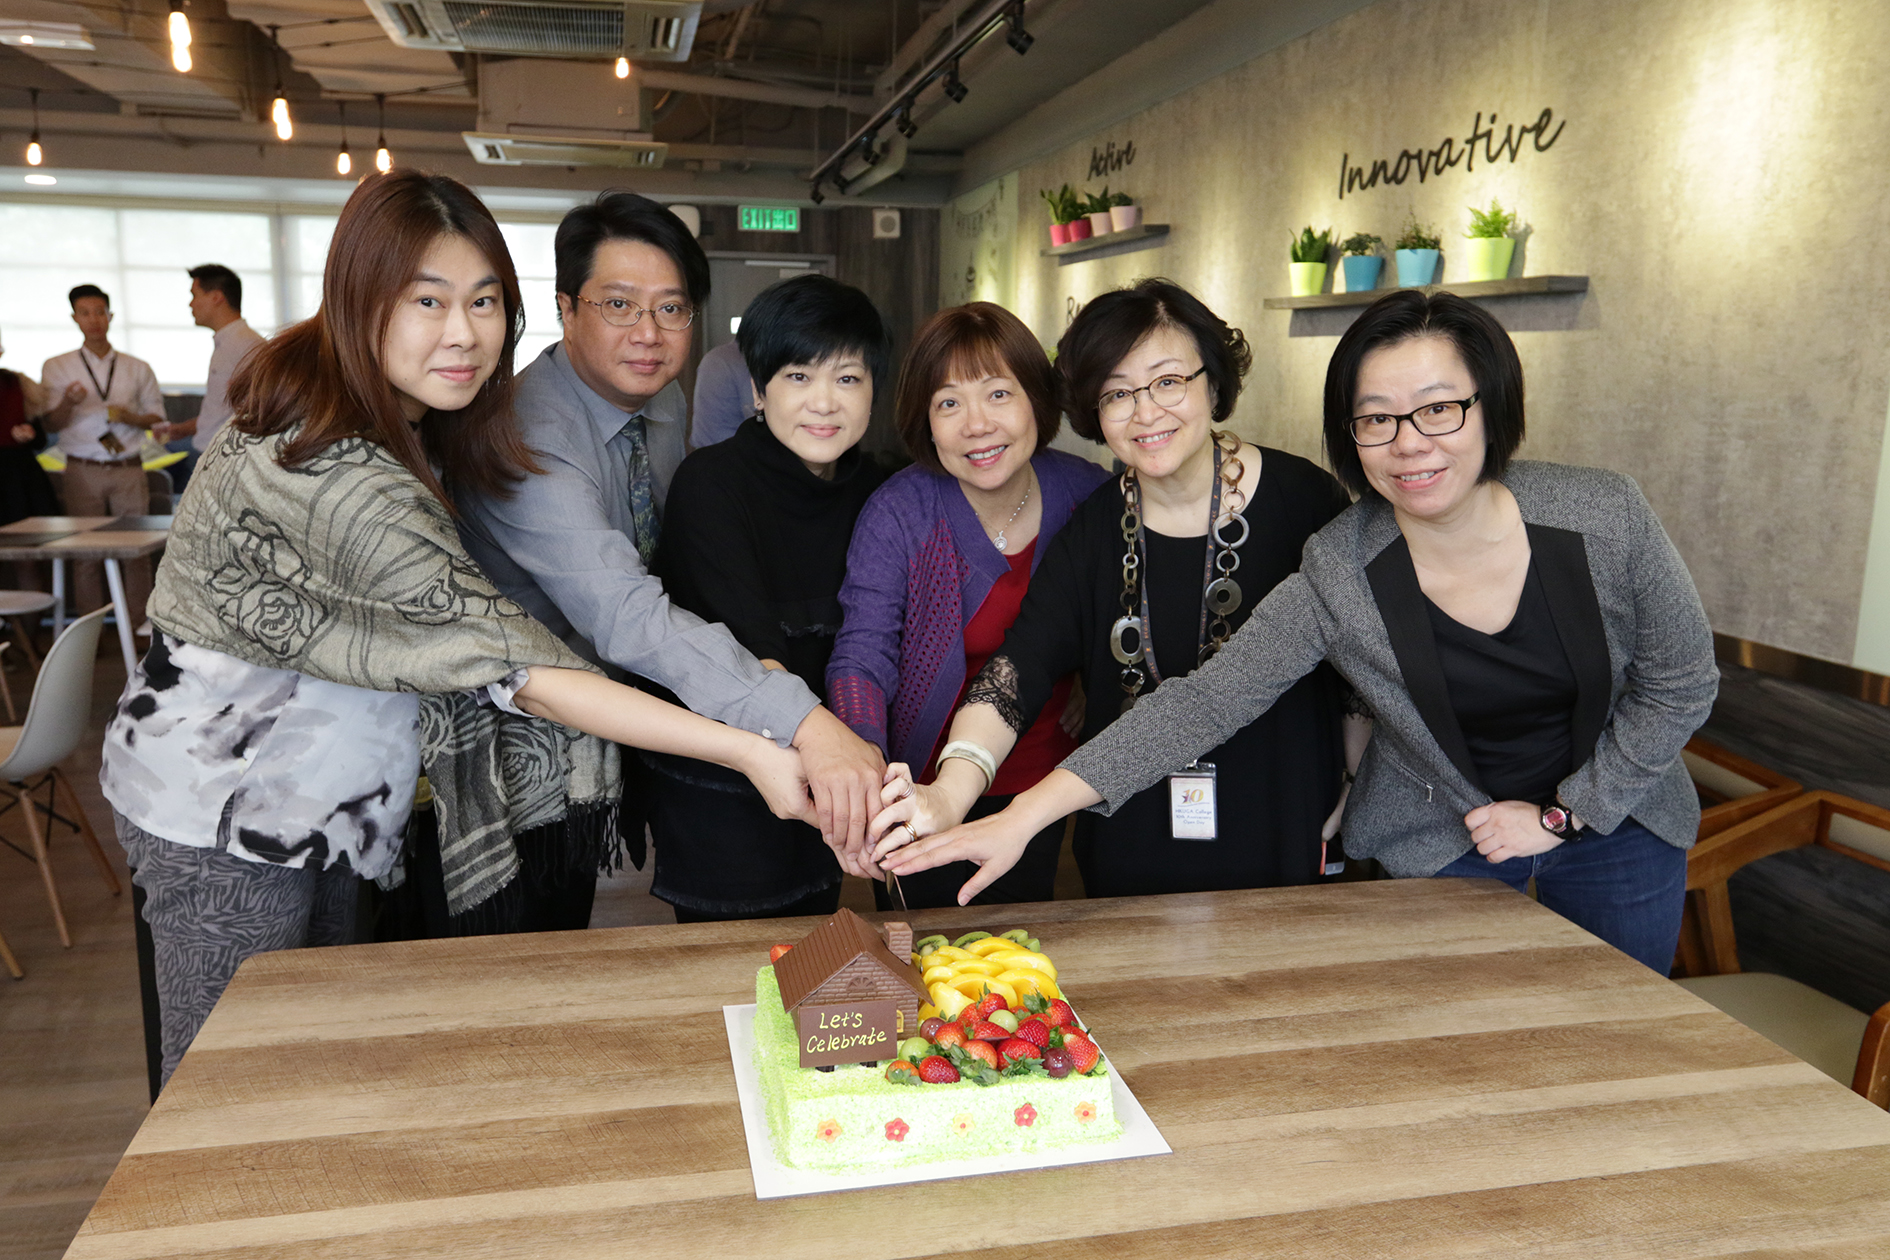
x=105, y=400
x=216, y=303
x=725, y=396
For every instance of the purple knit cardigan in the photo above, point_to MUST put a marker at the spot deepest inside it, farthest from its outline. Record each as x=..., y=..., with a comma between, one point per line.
x=918, y=569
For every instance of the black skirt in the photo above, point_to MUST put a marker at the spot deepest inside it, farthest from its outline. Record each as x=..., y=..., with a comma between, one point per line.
x=721, y=851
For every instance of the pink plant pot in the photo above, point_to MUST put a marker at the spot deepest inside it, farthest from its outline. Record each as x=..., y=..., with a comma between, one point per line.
x=1122, y=218
x=1099, y=224
x=1079, y=230
x=1059, y=234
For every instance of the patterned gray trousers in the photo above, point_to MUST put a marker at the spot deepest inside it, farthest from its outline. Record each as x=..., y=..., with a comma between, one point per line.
x=209, y=911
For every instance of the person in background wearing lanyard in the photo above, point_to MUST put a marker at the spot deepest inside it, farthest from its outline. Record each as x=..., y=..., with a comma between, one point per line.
x=1151, y=575
x=216, y=303
x=107, y=399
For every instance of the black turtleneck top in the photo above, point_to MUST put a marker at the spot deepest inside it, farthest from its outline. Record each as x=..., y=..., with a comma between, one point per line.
x=754, y=540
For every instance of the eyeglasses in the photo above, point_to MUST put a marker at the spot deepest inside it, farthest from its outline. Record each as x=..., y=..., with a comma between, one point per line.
x=1117, y=405
x=1432, y=420
x=669, y=316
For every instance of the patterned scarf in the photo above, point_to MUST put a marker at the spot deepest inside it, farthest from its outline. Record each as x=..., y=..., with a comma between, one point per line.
x=347, y=569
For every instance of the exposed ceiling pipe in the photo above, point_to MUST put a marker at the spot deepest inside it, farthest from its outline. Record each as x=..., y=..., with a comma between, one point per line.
x=741, y=24
x=922, y=41
x=746, y=90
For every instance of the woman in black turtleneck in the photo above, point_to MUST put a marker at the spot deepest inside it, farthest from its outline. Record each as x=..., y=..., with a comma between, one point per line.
x=755, y=536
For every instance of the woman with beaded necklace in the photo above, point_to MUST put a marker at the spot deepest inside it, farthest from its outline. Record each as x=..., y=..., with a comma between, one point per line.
x=1151, y=575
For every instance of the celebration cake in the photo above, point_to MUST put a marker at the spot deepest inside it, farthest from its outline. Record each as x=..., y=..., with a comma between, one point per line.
x=871, y=1054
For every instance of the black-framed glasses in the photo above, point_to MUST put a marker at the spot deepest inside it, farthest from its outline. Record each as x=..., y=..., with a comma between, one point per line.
x=622, y=312
x=1117, y=405
x=1432, y=420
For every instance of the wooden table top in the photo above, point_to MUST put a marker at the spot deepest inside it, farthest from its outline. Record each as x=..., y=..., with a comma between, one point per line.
x=1401, y=1069
x=83, y=539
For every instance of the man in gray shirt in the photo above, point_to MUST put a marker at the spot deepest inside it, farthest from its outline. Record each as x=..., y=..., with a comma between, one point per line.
x=606, y=420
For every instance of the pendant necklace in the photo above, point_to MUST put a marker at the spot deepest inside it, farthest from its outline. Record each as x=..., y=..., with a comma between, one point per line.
x=999, y=542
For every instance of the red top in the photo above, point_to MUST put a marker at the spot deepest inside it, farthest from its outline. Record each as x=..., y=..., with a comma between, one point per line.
x=1040, y=749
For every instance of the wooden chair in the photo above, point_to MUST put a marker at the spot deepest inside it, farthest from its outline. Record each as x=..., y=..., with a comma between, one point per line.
x=1832, y=1035
x=1731, y=790
x=30, y=753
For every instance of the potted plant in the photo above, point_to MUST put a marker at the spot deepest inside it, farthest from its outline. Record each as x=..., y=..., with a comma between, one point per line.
x=1309, y=250
x=1064, y=208
x=1096, y=209
x=1491, y=242
x=1417, y=250
x=1123, y=212
x=1361, y=262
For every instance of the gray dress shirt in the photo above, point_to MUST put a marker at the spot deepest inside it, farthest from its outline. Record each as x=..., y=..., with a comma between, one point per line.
x=563, y=546
x=725, y=396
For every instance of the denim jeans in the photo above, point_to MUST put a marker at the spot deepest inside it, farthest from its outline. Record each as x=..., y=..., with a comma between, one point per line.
x=1626, y=887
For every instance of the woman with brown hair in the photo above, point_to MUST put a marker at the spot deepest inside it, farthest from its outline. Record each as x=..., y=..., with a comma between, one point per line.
x=940, y=561
x=322, y=637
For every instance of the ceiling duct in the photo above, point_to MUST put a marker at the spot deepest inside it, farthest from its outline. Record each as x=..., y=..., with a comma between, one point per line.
x=494, y=149
x=642, y=30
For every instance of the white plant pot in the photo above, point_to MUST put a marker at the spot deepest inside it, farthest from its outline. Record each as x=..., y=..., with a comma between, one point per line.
x=1122, y=218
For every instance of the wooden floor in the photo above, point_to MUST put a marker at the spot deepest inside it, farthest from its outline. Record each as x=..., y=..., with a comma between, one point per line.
x=72, y=1077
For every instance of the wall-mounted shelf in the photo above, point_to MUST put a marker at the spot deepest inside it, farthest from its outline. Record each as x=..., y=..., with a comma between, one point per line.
x=1127, y=241
x=1470, y=289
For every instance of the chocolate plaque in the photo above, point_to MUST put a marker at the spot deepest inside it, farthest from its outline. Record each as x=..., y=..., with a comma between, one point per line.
x=848, y=1032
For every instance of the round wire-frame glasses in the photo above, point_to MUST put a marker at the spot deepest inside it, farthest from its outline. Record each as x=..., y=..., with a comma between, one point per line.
x=1167, y=390
x=623, y=313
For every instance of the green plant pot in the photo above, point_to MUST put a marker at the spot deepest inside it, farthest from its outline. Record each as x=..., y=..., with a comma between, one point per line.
x=1308, y=278
x=1487, y=257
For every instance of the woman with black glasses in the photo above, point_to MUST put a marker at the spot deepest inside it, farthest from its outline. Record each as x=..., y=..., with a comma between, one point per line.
x=1151, y=575
x=1528, y=640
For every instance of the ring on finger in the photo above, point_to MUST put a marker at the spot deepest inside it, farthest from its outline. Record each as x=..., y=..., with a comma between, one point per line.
x=910, y=831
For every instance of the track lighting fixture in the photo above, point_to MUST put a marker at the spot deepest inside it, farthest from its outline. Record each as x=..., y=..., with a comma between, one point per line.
x=1018, y=38
x=180, y=37
x=903, y=122
x=955, y=86
x=815, y=195
x=34, y=154
x=344, y=161
x=383, y=160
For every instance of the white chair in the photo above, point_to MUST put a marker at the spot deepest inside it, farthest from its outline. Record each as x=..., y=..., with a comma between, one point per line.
x=21, y=609
x=30, y=753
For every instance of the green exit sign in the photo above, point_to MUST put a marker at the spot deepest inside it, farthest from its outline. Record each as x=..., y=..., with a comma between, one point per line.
x=770, y=218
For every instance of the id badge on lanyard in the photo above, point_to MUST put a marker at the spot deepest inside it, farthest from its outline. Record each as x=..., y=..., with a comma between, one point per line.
x=1192, y=804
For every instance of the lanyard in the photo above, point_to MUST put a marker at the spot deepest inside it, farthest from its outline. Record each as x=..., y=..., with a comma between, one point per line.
x=111, y=374
x=1207, y=577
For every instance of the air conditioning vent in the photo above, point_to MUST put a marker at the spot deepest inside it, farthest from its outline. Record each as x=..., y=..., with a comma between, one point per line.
x=643, y=30
x=494, y=149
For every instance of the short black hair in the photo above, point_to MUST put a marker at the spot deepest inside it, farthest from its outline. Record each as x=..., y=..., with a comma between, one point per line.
x=1103, y=333
x=216, y=278
x=1482, y=344
x=626, y=216
x=811, y=319
x=86, y=291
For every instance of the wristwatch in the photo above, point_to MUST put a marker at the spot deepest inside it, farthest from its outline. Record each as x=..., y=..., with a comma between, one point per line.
x=1559, y=822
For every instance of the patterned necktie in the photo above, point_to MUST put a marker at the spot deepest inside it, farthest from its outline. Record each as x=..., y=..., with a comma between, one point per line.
x=642, y=491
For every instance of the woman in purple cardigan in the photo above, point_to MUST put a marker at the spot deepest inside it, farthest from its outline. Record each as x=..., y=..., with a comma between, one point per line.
x=940, y=559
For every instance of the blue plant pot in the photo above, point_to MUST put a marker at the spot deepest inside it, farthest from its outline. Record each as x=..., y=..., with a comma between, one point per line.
x=1416, y=267
x=1361, y=272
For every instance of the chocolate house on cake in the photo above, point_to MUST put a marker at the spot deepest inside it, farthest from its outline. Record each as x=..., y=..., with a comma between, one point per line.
x=846, y=960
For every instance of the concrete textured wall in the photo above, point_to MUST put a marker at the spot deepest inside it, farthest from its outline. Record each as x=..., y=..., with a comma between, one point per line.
x=1721, y=178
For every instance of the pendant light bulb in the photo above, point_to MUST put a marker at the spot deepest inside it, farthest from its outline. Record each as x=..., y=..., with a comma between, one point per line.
x=180, y=37
x=279, y=112
x=623, y=67
x=34, y=154
x=343, y=163
x=383, y=160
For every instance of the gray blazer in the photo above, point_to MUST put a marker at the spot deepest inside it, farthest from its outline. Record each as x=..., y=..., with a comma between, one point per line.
x=1624, y=607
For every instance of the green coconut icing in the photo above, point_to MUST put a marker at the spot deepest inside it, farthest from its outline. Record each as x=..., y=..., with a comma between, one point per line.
x=853, y=1119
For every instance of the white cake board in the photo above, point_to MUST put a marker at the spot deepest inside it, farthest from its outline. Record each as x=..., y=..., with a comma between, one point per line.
x=775, y=1180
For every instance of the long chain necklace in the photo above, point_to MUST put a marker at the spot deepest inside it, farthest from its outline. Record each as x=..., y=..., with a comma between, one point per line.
x=999, y=542
x=1129, y=638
